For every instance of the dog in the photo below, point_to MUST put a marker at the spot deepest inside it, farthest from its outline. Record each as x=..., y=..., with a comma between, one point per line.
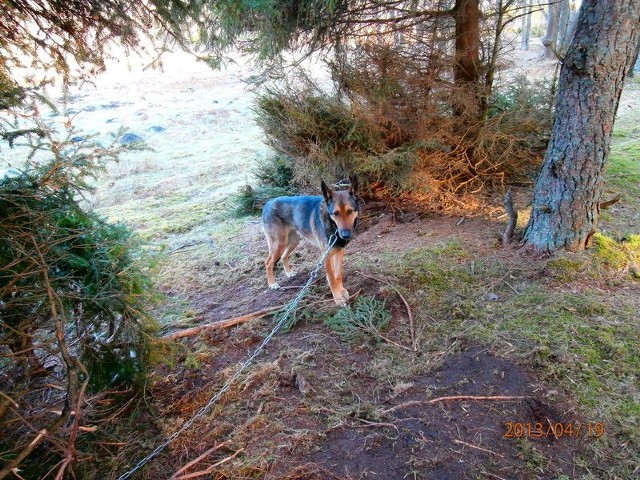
x=286, y=220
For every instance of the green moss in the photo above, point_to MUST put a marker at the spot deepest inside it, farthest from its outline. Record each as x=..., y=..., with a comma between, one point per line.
x=565, y=268
x=618, y=255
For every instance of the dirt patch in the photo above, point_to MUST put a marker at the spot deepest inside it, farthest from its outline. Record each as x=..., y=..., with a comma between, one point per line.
x=448, y=440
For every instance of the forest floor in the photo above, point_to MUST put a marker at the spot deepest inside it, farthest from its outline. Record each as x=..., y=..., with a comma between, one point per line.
x=541, y=354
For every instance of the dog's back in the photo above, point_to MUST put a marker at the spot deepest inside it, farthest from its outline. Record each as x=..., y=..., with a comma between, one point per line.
x=301, y=214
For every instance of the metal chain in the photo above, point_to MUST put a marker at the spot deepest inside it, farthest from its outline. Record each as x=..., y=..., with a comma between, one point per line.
x=293, y=304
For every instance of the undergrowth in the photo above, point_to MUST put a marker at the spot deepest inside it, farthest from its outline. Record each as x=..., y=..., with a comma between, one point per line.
x=73, y=298
x=364, y=320
x=404, y=132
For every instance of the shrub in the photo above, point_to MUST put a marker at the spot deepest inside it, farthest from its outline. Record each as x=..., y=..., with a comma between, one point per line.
x=275, y=178
x=72, y=300
x=394, y=122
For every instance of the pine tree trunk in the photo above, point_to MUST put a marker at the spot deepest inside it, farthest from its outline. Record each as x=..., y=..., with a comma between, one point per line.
x=466, y=69
x=467, y=43
x=567, y=192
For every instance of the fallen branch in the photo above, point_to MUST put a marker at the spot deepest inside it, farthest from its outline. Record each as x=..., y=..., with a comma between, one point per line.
x=607, y=203
x=496, y=398
x=190, y=332
x=210, y=469
x=230, y=322
x=196, y=460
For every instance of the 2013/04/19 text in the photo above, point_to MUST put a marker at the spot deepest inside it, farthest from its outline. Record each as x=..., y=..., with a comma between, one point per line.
x=557, y=429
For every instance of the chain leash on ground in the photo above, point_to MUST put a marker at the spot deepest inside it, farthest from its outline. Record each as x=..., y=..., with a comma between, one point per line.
x=291, y=306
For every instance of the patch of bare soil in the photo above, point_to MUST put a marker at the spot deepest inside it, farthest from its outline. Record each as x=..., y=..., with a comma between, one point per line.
x=452, y=439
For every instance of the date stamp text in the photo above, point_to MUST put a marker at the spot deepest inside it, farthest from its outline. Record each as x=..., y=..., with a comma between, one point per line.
x=553, y=430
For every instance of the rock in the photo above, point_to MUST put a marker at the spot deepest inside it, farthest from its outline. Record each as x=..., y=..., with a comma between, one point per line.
x=129, y=138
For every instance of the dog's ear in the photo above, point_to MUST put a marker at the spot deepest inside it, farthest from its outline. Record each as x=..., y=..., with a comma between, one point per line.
x=326, y=191
x=354, y=187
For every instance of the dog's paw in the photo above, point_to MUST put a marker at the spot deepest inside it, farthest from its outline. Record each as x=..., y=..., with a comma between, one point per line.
x=291, y=274
x=341, y=302
x=342, y=298
x=274, y=286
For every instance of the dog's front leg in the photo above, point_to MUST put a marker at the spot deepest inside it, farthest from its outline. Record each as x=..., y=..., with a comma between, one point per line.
x=333, y=266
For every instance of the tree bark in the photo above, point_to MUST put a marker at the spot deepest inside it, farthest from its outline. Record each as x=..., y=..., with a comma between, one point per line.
x=466, y=72
x=467, y=44
x=569, y=187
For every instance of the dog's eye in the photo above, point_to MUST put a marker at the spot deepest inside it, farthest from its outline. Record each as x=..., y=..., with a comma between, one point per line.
x=336, y=213
x=349, y=212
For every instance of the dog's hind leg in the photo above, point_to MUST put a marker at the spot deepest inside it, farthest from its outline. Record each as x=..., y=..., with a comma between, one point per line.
x=276, y=249
x=292, y=242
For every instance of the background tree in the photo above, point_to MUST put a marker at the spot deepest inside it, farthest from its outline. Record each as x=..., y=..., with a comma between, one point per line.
x=525, y=26
x=553, y=25
x=568, y=190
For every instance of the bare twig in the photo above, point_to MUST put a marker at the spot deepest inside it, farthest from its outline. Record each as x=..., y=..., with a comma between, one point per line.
x=230, y=322
x=209, y=469
x=368, y=423
x=455, y=440
x=13, y=464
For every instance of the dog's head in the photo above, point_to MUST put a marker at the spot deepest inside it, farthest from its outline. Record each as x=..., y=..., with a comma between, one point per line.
x=343, y=208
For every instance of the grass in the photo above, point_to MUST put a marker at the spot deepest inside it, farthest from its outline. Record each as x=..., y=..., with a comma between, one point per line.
x=582, y=341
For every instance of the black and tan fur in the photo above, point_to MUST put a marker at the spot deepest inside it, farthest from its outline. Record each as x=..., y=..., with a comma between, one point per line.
x=286, y=220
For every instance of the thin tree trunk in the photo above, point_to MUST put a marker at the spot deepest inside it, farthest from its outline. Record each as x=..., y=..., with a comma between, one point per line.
x=568, y=34
x=636, y=62
x=493, y=59
x=564, y=13
x=568, y=190
x=550, y=38
x=526, y=25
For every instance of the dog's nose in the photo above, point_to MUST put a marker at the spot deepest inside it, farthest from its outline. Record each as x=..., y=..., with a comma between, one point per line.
x=345, y=234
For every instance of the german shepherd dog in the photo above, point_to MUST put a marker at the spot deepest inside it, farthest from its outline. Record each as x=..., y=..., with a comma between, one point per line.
x=285, y=220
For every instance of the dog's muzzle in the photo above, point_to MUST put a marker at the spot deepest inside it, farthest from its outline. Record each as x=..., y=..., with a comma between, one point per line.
x=345, y=234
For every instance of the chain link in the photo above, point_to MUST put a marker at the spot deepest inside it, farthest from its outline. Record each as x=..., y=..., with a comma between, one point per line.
x=291, y=306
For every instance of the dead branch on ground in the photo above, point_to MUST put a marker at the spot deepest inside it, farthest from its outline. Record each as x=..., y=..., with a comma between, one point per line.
x=230, y=322
x=495, y=398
